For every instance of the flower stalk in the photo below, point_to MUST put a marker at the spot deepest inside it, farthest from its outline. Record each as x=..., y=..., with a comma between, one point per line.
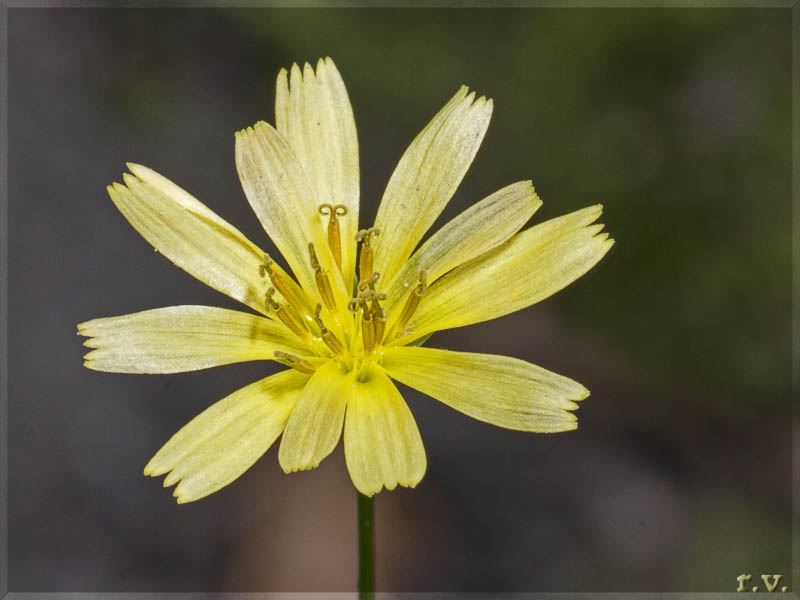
x=366, y=547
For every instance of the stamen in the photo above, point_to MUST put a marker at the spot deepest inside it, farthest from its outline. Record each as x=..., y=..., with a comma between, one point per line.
x=281, y=285
x=422, y=286
x=286, y=317
x=318, y=318
x=369, y=284
x=411, y=304
x=367, y=255
x=367, y=330
x=376, y=313
x=354, y=305
x=295, y=362
x=323, y=283
x=334, y=236
x=269, y=301
x=379, y=321
x=367, y=322
x=329, y=338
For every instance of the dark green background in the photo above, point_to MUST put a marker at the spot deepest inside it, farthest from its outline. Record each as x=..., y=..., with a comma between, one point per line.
x=677, y=120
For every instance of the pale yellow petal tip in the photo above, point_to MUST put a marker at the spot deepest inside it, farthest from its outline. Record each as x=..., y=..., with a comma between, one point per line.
x=370, y=491
x=297, y=468
x=481, y=102
x=132, y=181
x=138, y=170
x=248, y=130
x=582, y=394
x=184, y=497
x=151, y=469
x=171, y=479
x=283, y=79
x=115, y=192
x=365, y=490
x=411, y=483
x=91, y=363
x=326, y=63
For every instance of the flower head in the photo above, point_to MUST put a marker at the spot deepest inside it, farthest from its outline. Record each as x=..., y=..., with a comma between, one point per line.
x=349, y=316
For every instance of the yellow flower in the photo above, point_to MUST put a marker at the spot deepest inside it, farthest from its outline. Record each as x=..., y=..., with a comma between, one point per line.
x=362, y=301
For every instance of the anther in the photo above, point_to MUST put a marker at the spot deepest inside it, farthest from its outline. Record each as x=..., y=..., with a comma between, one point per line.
x=295, y=362
x=323, y=283
x=286, y=317
x=318, y=318
x=280, y=284
x=367, y=330
x=379, y=321
x=374, y=313
x=329, y=338
x=411, y=303
x=334, y=236
x=265, y=266
x=422, y=286
x=367, y=255
x=269, y=301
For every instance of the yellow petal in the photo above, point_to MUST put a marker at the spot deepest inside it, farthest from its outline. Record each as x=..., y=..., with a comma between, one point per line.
x=503, y=391
x=528, y=268
x=283, y=200
x=315, y=424
x=223, y=441
x=190, y=235
x=478, y=229
x=315, y=117
x=182, y=338
x=179, y=195
x=427, y=177
x=382, y=445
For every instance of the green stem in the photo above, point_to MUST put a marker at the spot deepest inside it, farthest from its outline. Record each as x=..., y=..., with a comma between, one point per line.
x=366, y=548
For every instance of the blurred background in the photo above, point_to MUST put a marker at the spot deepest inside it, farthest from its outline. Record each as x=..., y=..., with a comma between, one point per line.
x=677, y=120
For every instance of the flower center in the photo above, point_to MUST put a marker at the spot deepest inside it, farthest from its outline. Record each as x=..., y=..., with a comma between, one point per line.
x=359, y=332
